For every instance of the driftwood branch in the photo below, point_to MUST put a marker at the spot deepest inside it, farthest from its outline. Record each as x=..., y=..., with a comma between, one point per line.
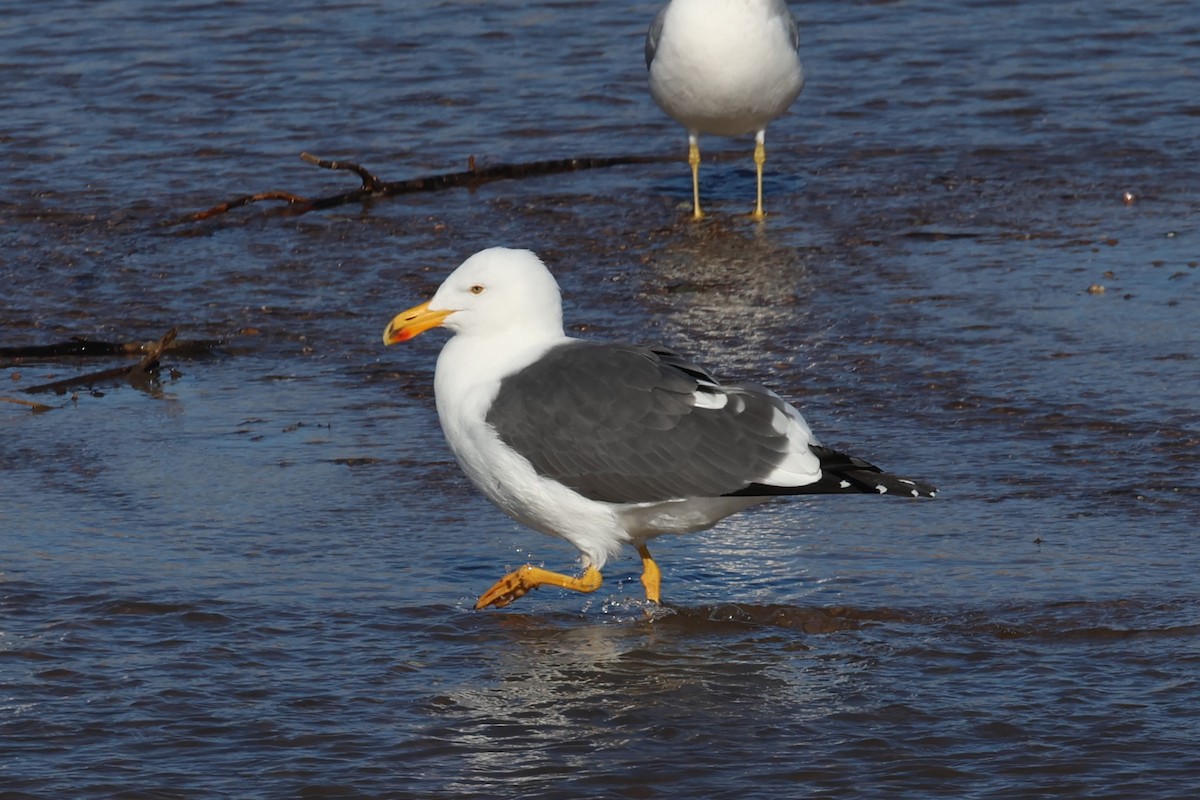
x=134, y=372
x=373, y=187
x=87, y=348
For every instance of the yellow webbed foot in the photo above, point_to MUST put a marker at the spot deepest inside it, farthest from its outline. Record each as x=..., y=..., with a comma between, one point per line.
x=651, y=576
x=520, y=582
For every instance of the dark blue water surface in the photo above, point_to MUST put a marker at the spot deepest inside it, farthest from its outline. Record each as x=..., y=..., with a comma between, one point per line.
x=254, y=576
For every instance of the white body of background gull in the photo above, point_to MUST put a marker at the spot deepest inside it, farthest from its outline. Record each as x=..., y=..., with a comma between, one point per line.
x=725, y=67
x=605, y=445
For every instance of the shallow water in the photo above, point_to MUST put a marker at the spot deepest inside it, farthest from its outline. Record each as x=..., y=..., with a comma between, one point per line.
x=254, y=577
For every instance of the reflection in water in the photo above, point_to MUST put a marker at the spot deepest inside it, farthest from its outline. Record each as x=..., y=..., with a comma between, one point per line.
x=733, y=296
x=571, y=701
x=680, y=679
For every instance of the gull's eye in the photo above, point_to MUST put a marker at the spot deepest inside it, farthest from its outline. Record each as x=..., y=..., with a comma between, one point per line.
x=477, y=289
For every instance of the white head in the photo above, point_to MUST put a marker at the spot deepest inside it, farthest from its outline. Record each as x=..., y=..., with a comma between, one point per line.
x=493, y=293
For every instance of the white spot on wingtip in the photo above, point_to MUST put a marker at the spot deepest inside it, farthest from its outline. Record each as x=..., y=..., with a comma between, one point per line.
x=881, y=489
x=844, y=485
x=710, y=399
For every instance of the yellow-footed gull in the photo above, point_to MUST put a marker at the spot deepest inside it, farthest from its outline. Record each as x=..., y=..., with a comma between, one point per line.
x=605, y=444
x=725, y=67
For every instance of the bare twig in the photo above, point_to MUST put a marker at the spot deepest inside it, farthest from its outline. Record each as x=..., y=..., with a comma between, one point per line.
x=149, y=361
x=370, y=182
x=34, y=406
x=228, y=205
x=373, y=187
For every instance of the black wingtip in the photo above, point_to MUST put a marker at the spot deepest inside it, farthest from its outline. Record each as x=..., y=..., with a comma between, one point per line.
x=890, y=484
x=867, y=476
x=845, y=474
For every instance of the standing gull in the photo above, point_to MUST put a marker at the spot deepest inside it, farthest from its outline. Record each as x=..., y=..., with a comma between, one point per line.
x=605, y=444
x=726, y=67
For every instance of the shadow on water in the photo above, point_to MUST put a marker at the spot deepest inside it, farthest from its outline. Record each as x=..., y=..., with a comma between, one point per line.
x=1060, y=620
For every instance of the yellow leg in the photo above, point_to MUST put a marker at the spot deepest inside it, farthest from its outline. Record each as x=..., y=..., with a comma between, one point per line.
x=520, y=582
x=694, y=161
x=760, y=158
x=651, y=576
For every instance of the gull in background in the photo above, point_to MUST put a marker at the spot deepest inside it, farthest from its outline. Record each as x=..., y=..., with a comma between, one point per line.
x=725, y=67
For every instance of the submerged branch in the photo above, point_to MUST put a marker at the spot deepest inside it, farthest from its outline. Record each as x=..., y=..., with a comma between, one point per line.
x=33, y=405
x=135, y=372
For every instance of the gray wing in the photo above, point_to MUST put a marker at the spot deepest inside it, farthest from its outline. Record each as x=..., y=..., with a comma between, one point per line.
x=780, y=9
x=625, y=424
x=653, y=34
